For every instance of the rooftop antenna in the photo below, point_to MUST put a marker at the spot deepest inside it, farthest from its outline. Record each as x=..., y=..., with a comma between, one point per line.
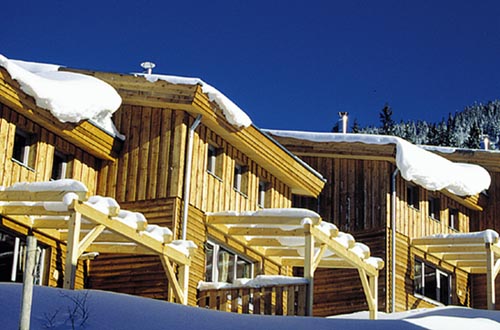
x=148, y=67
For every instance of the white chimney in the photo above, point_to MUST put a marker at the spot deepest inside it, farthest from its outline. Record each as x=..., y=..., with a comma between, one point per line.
x=148, y=67
x=343, y=116
x=486, y=142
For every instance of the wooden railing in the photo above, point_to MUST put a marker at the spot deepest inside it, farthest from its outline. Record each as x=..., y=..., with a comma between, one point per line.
x=268, y=300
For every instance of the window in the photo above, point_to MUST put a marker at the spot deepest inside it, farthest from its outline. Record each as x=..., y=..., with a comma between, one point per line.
x=413, y=196
x=432, y=283
x=223, y=265
x=59, y=166
x=453, y=219
x=214, y=161
x=24, y=148
x=240, y=178
x=434, y=208
x=12, y=259
x=261, y=198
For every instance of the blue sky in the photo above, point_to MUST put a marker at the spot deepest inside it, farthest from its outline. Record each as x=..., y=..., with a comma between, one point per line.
x=288, y=64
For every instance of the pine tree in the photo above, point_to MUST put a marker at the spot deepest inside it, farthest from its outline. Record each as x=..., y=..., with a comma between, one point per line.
x=386, y=120
x=355, y=126
x=474, y=139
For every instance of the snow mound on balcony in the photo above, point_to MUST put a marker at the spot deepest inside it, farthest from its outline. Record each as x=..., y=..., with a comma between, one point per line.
x=70, y=97
x=423, y=167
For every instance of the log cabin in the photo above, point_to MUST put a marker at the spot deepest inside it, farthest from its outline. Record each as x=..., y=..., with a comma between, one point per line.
x=397, y=214
x=184, y=157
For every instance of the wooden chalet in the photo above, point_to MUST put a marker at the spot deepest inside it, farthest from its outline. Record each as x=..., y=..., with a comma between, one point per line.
x=367, y=196
x=184, y=166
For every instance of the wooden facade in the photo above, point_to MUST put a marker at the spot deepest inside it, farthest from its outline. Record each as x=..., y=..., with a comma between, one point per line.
x=358, y=199
x=148, y=176
x=18, y=112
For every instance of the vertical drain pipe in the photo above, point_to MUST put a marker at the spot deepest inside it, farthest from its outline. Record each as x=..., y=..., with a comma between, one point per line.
x=187, y=175
x=393, y=243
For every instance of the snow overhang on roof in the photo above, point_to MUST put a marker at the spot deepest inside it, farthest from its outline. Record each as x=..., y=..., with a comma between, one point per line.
x=234, y=114
x=70, y=97
x=416, y=164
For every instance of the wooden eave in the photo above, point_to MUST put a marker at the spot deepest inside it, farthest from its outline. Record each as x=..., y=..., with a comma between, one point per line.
x=251, y=141
x=84, y=135
x=363, y=151
x=344, y=150
x=488, y=159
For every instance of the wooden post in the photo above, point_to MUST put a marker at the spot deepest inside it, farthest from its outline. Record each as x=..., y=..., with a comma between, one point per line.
x=374, y=292
x=490, y=277
x=184, y=282
x=28, y=280
x=72, y=250
x=309, y=268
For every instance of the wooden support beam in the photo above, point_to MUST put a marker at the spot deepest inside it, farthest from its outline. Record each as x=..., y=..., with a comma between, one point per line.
x=319, y=256
x=370, y=289
x=120, y=248
x=349, y=256
x=183, y=272
x=72, y=250
x=38, y=196
x=258, y=220
x=453, y=248
x=309, y=267
x=172, y=279
x=89, y=238
x=248, y=231
x=490, y=279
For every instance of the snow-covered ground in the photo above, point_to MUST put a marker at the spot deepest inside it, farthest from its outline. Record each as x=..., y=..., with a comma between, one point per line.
x=58, y=309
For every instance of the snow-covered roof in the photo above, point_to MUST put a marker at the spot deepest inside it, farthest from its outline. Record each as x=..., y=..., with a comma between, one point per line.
x=420, y=166
x=234, y=114
x=70, y=97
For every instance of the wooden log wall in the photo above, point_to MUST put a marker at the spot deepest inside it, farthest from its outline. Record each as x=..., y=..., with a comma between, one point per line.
x=81, y=165
x=212, y=193
x=413, y=222
x=151, y=164
x=354, y=197
x=148, y=167
x=148, y=177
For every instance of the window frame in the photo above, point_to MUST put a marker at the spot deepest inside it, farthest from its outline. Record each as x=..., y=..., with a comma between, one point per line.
x=413, y=196
x=420, y=288
x=240, y=178
x=214, y=160
x=453, y=219
x=215, y=271
x=24, y=148
x=17, y=263
x=262, y=194
x=434, y=208
x=60, y=165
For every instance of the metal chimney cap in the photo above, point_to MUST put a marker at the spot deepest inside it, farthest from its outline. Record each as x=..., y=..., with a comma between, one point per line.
x=148, y=65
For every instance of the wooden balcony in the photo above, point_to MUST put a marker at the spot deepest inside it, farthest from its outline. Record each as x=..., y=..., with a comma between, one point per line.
x=272, y=299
